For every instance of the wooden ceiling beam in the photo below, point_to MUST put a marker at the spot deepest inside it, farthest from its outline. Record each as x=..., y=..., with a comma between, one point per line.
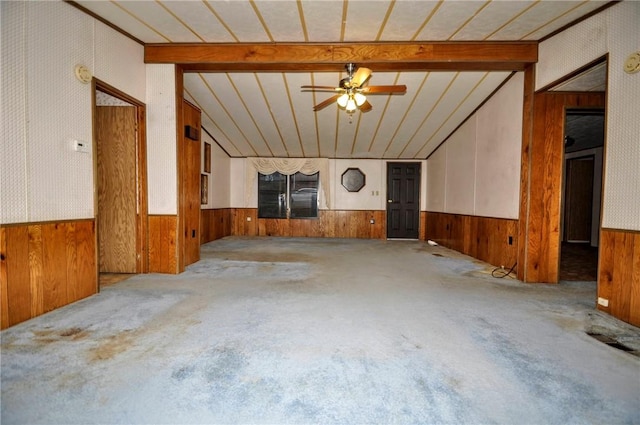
x=332, y=57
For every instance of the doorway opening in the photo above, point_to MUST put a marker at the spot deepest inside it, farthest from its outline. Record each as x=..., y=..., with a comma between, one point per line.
x=582, y=194
x=120, y=184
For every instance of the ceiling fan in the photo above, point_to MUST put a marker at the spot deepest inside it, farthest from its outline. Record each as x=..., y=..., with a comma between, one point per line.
x=350, y=94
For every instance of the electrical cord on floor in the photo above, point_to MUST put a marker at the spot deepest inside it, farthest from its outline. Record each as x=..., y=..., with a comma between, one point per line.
x=502, y=271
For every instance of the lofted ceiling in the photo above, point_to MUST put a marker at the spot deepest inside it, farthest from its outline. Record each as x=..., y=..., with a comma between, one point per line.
x=256, y=107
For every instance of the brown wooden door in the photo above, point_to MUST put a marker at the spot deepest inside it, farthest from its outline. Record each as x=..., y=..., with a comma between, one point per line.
x=403, y=200
x=116, y=188
x=578, y=199
x=190, y=186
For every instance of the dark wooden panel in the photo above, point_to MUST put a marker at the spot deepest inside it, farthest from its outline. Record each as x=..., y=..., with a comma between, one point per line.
x=155, y=247
x=46, y=266
x=190, y=186
x=87, y=261
x=606, y=265
x=243, y=227
x=329, y=224
x=36, y=269
x=71, y=266
x=619, y=274
x=54, y=261
x=423, y=225
x=17, y=263
x=162, y=244
x=484, y=238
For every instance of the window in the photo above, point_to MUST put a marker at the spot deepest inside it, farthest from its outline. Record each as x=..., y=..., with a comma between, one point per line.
x=294, y=196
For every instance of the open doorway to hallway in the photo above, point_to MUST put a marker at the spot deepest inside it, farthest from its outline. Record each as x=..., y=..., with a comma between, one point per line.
x=582, y=194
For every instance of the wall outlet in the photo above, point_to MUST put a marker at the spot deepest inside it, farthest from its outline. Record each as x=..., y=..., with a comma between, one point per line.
x=603, y=302
x=372, y=221
x=510, y=240
x=248, y=218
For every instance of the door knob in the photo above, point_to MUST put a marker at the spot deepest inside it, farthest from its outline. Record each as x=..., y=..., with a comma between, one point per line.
x=390, y=200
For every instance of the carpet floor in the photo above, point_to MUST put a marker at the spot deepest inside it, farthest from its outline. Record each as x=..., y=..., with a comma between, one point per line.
x=323, y=331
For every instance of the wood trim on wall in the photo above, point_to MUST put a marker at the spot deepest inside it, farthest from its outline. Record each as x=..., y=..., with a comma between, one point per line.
x=484, y=238
x=45, y=266
x=163, y=254
x=619, y=274
x=541, y=189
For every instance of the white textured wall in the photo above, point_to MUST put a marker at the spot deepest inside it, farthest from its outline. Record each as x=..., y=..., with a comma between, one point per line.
x=477, y=170
x=436, y=180
x=13, y=144
x=161, y=140
x=461, y=169
x=371, y=196
x=219, y=178
x=114, y=64
x=237, y=196
x=44, y=107
x=498, y=148
x=614, y=31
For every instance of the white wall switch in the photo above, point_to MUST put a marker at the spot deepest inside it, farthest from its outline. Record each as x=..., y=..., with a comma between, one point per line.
x=81, y=146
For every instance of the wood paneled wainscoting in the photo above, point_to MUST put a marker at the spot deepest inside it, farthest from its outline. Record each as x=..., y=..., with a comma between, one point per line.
x=44, y=266
x=619, y=274
x=493, y=240
x=329, y=224
x=214, y=224
x=163, y=254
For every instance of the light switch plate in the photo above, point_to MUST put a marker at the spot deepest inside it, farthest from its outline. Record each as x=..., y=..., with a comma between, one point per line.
x=81, y=146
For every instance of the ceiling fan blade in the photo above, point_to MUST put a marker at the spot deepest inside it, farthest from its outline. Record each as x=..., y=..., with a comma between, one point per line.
x=326, y=103
x=384, y=89
x=334, y=89
x=366, y=106
x=320, y=87
x=359, y=78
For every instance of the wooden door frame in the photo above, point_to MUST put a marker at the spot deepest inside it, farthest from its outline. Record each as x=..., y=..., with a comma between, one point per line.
x=542, y=161
x=142, y=220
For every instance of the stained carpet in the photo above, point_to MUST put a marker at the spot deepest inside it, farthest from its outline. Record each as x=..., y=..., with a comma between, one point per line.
x=322, y=331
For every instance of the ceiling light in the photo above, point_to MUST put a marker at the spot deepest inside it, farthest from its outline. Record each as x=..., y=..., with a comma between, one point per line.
x=342, y=100
x=359, y=98
x=351, y=105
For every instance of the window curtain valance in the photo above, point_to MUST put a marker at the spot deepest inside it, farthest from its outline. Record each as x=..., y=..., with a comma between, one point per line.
x=288, y=166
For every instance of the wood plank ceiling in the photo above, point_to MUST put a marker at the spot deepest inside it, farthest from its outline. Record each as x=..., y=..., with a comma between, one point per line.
x=246, y=79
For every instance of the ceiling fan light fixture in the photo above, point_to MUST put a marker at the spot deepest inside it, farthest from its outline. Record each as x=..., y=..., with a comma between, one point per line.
x=351, y=105
x=342, y=100
x=359, y=98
